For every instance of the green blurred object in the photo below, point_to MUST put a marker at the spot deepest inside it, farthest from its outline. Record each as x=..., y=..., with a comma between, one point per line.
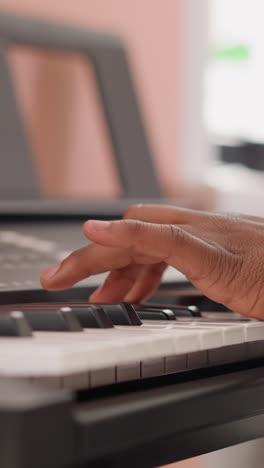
x=236, y=52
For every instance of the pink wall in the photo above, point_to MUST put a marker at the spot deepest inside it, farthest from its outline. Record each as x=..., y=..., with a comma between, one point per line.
x=64, y=119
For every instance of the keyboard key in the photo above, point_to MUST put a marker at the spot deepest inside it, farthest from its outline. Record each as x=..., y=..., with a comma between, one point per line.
x=255, y=349
x=147, y=312
x=254, y=331
x=53, y=383
x=176, y=363
x=169, y=310
x=14, y=324
x=92, y=316
x=152, y=367
x=232, y=333
x=227, y=354
x=53, y=320
x=76, y=381
x=155, y=315
x=121, y=314
x=101, y=377
x=128, y=372
x=197, y=360
x=188, y=338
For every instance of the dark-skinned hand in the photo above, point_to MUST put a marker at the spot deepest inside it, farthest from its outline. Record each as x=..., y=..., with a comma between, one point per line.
x=222, y=255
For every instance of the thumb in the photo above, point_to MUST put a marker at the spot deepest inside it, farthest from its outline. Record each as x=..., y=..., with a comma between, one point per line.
x=165, y=242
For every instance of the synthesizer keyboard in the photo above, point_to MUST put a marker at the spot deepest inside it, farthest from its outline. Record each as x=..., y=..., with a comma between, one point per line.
x=100, y=385
x=80, y=345
x=117, y=385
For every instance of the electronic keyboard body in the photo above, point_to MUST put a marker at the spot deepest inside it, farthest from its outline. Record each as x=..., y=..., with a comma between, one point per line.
x=120, y=385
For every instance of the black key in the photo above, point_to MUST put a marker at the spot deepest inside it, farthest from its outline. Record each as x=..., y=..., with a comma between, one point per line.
x=194, y=310
x=71, y=319
x=154, y=315
x=169, y=310
x=14, y=324
x=201, y=301
x=53, y=320
x=186, y=296
x=147, y=312
x=121, y=314
x=92, y=316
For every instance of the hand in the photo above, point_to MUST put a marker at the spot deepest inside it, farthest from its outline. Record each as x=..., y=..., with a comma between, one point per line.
x=221, y=255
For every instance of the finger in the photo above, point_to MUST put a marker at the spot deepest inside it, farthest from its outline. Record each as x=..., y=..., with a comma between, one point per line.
x=82, y=263
x=147, y=283
x=134, y=283
x=162, y=214
x=254, y=219
x=167, y=243
x=117, y=284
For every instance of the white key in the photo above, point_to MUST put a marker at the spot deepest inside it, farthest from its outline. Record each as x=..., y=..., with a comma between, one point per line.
x=176, y=363
x=197, y=360
x=254, y=331
x=128, y=372
x=76, y=381
x=48, y=382
x=177, y=338
x=58, y=353
x=227, y=354
x=62, y=354
x=232, y=333
x=152, y=367
x=101, y=377
x=187, y=338
x=255, y=349
x=27, y=381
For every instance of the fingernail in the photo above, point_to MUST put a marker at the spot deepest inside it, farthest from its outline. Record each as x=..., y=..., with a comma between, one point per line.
x=51, y=271
x=95, y=225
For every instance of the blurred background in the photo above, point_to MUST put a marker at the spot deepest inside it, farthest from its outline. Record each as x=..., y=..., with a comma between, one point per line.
x=198, y=69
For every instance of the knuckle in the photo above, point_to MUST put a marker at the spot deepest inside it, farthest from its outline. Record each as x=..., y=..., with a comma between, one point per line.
x=134, y=231
x=135, y=227
x=176, y=233
x=225, y=222
x=254, y=286
x=224, y=269
x=130, y=232
x=74, y=260
x=222, y=266
x=232, y=265
x=131, y=211
x=175, y=236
